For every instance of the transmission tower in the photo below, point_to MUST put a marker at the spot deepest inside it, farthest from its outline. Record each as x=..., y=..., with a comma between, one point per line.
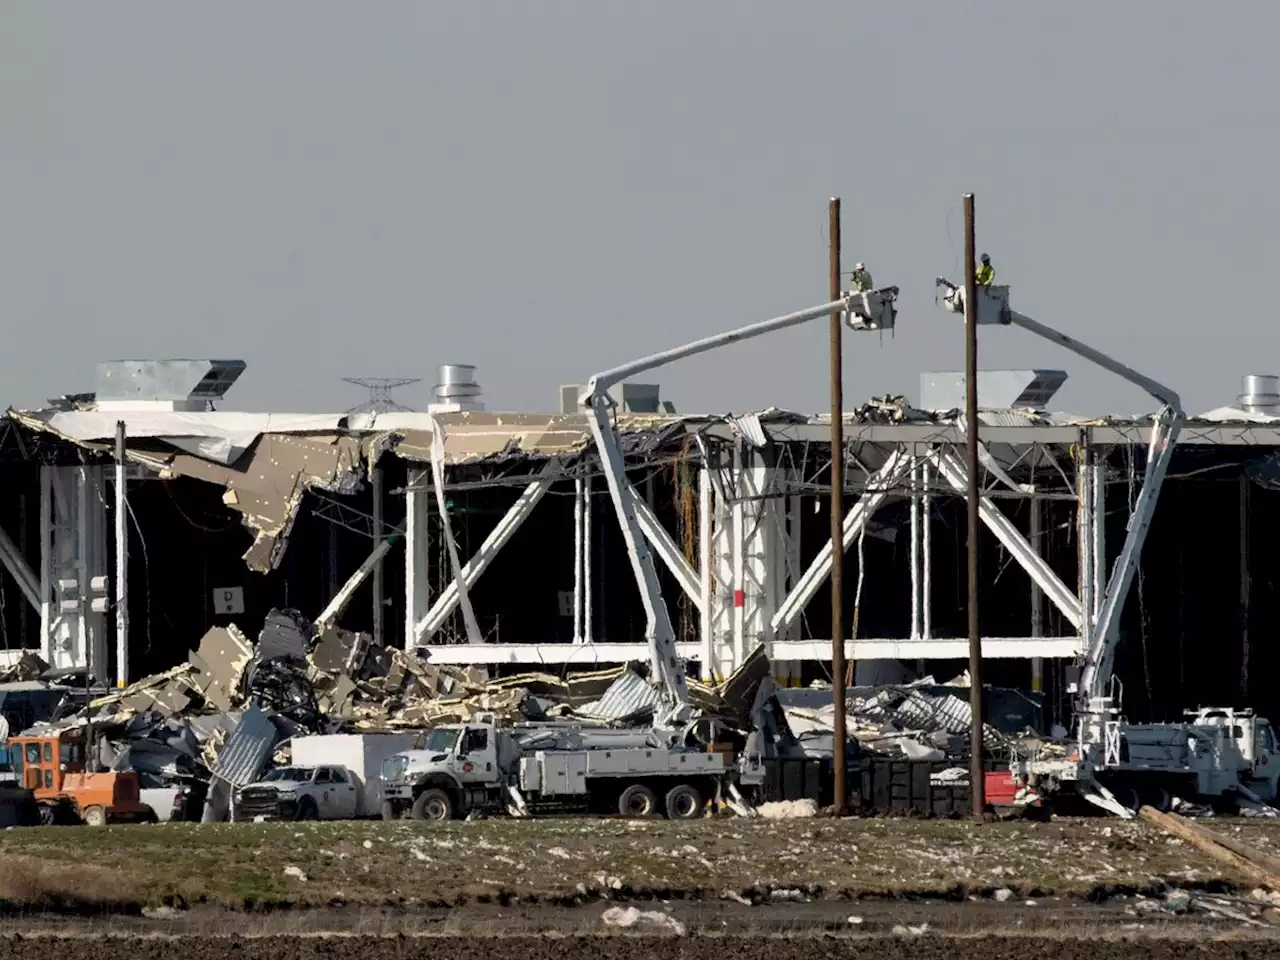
x=380, y=388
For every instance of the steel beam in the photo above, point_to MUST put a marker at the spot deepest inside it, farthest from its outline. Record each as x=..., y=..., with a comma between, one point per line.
x=665, y=547
x=878, y=489
x=588, y=593
x=953, y=472
x=578, y=496
x=706, y=577
x=917, y=629
x=448, y=600
x=583, y=655
x=926, y=548
x=18, y=568
x=417, y=553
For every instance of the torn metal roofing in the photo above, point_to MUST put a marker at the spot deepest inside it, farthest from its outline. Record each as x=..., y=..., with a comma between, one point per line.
x=247, y=749
x=629, y=697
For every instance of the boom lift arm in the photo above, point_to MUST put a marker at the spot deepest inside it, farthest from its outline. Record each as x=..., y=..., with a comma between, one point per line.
x=1099, y=658
x=861, y=310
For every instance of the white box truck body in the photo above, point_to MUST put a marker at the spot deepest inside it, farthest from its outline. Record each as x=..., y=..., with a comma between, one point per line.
x=362, y=755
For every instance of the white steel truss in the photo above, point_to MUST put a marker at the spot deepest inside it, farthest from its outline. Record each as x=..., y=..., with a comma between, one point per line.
x=746, y=587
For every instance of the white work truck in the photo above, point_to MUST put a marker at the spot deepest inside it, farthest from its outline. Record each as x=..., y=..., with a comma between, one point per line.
x=333, y=777
x=298, y=793
x=1220, y=755
x=481, y=766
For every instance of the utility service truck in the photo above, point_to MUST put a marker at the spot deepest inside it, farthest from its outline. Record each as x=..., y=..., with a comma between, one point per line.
x=485, y=767
x=1219, y=754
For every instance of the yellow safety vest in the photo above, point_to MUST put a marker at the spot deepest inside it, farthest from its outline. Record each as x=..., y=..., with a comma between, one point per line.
x=986, y=273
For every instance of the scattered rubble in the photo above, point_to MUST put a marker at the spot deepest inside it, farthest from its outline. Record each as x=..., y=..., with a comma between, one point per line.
x=219, y=719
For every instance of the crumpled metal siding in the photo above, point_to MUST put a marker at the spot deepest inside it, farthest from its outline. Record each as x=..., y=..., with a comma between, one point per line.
x=248, y=749
x=629, y=695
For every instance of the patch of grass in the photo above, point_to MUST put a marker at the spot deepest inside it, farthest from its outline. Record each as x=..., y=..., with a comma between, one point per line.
x=30, y=883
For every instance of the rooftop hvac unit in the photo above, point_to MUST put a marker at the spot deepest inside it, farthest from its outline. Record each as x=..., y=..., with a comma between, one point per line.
x=124, y=385
x=1260, y=393
x=457, y=389
x=997, y=389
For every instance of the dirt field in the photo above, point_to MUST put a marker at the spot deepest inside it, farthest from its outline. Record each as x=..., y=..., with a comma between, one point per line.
x=906, y=948
x=571, y=861
x=380, y=889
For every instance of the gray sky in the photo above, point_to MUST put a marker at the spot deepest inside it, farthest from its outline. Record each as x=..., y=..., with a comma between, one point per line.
x=548, y=188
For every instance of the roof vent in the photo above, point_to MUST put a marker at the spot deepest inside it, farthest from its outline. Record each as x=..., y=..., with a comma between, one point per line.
x=457, y=389
x=164, y=384
x=1260, y=393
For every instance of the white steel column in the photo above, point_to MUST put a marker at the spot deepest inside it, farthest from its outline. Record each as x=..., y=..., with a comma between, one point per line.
x=722, y=564
x=706, y=575
x=588, y=551
x=122, y=561
x=1037, y=595
x=379, y=534
x=47, y=601
x=739, y=550
x=1098, y=495
x=1084, y=525
x=917, y=626
x=92, y=532
x=577, y=560
x=788, y=672
x=926, y=549
x=417, y=553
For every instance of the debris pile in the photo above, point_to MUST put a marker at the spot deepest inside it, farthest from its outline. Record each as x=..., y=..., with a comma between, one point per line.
x=220, y=718
x=920, y=721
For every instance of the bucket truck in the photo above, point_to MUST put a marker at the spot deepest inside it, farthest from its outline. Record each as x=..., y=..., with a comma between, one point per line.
x=488, y=767
x=860, y=311
x=1219, y=753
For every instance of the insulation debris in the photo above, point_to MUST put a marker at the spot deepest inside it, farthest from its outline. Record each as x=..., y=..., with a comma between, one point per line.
x=216, y=721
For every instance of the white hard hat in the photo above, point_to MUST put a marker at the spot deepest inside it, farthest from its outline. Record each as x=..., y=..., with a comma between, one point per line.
x=859, y=266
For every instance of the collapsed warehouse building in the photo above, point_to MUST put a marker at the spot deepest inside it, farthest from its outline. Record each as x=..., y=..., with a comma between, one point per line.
x=501, y=550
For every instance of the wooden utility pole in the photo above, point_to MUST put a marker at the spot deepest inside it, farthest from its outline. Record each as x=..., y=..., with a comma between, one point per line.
x=976, y=767
x=837, y=512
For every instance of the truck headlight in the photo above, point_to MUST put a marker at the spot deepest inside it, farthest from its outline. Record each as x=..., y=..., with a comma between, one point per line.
x=288, y=794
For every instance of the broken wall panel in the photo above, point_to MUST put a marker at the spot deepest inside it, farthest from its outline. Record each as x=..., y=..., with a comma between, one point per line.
x=267, y=484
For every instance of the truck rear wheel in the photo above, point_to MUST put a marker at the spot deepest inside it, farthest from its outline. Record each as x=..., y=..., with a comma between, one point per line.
x=95, y=816
x=684, y=803
x=637, y=801
x=433, y=804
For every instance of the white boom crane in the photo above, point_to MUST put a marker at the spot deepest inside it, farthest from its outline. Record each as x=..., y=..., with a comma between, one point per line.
x=1099, y=658
x=862, y=310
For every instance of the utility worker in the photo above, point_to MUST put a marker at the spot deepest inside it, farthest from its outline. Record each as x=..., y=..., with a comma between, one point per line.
x=861, y=279
x=986, y=272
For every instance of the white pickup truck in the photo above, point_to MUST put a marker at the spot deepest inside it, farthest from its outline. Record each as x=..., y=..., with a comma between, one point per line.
x=298, y=793
x=331, y=778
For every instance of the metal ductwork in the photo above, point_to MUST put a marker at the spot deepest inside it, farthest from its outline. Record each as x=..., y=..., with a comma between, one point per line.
x=457, y=389
x=1260, y=393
